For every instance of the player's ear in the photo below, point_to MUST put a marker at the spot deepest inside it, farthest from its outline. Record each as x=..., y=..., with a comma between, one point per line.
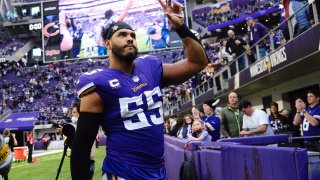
x=107, y=44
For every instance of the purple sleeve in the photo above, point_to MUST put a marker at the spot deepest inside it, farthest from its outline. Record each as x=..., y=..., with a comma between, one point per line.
x=317, y=114
x=88, y=82
x=264, y=30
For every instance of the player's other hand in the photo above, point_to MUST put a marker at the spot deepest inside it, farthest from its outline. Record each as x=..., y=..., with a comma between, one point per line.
x=174, y=12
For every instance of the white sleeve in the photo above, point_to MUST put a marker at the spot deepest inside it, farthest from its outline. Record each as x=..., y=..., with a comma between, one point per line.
x=244, y=123
x=263, y=118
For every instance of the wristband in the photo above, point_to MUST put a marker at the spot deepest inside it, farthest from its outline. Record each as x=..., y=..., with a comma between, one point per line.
x=184, y=32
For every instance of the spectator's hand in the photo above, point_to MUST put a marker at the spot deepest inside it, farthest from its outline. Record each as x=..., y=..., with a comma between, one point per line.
x=180, y=136
x=189, y=135
x=300, y=106
x=244, y=133
x=174, y=13
x=195, y=111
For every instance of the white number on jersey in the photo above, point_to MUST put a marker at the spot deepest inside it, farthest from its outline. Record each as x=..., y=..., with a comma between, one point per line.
x=93, y=71
x=143, y=121
x=305, y=125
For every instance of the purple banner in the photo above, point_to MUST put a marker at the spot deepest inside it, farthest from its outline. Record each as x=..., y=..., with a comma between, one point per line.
x=19, y=121
x=33, y=1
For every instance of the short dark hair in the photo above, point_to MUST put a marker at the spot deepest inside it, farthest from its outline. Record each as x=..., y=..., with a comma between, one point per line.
x=77, y=106
x=314, y=92
x=244, y=104
x=274, y=104
x=108, y=13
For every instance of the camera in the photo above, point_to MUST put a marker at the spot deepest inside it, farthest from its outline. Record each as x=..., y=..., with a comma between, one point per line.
x=68, y=130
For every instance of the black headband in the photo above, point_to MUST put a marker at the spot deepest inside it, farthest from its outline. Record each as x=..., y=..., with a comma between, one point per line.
x=114, y=28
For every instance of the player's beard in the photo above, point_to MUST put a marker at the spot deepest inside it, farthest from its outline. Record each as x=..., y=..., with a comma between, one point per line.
x=119, y=52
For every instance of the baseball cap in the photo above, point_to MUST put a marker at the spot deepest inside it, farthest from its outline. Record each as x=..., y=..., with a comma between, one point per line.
x=248, y=18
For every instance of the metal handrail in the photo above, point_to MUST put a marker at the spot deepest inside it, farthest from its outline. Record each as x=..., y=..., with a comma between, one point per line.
x=227, y=68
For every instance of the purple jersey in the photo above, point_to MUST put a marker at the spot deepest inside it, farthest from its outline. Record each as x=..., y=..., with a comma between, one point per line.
x=133, y=115
x=308, y=129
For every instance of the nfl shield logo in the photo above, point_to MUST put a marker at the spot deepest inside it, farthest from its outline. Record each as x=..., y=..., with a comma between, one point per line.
x=135, y=79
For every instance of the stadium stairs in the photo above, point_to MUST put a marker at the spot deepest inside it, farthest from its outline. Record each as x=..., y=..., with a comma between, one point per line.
x=16, y=56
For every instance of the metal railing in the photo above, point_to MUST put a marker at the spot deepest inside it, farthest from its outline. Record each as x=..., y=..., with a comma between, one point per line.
x=219, y=81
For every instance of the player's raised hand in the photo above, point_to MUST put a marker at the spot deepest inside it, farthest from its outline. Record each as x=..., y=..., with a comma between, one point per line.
x=174, y=12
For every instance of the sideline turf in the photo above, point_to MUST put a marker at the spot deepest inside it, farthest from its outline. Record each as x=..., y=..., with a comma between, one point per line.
x=46, y=167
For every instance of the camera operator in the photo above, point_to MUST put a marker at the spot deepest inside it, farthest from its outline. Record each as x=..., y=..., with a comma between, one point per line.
x=75, y=112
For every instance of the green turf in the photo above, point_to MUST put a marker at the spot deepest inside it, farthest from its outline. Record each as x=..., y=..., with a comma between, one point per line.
x=46, y=167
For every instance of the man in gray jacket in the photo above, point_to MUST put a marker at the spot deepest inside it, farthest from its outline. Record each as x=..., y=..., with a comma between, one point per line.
x=231, y=120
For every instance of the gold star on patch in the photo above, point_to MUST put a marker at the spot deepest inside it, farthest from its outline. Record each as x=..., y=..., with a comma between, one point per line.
x=114, y=28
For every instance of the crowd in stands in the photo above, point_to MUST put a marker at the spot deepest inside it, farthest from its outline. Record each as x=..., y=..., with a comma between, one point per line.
x=9, y=47
x=241, y=119
x=209, y=16
x=46, y=89
x=50, y=89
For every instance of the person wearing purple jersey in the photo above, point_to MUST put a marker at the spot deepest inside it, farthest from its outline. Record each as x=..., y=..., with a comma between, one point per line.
x=126, y=100
x=309, y=117
x=212, y=121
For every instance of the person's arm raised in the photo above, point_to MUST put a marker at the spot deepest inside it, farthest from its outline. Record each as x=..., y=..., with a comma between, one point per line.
x=125, y=11
x=196, y=56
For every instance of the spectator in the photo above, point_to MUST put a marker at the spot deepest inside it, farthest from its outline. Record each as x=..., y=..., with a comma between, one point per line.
x=159, y=34
x=286, y=113
x=58, y=136
x=309, y=117
x=236, y=47
x=45, y=140
x=256, y=32
x=215, y=63
x=173, y=126
x=75, y=113
x=166, y=127
x=231, y=120
x=278, y=122
x=9, y=138
x=212, y=122
x=186, y=128
x=301, y=20
x=196, y=114
x=255, y=121
x=198, y=127
x=77, y=37
x=30, y=142
x=223, y=54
